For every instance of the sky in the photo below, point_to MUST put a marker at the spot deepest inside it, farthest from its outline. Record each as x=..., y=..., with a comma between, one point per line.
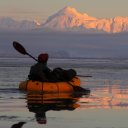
x=40, y=10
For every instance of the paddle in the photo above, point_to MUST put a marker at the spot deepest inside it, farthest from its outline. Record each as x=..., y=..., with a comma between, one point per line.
x=22, y=50
x=83, y=76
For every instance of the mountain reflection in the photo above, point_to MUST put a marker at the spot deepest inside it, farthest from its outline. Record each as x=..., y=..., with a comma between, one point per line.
x=107, y=96
x=40, y=103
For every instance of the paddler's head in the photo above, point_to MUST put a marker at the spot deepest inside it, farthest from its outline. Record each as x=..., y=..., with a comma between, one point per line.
x=42, y=58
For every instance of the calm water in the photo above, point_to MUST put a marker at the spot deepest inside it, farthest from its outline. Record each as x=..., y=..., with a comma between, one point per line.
x=106, y=105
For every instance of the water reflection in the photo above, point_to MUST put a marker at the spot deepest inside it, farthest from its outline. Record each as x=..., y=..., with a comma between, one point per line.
x=18, y=125
x=107, y=96
x=40, y=103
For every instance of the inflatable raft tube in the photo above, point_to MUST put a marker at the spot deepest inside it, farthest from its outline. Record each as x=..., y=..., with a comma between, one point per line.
x=49, y=86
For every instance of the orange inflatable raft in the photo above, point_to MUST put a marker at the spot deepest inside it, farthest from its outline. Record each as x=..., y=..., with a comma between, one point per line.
x=50, y=86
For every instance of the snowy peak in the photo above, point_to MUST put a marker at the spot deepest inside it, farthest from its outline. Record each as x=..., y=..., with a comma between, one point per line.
x=68, y=11
x=65, y=12
x=69, y=19
x=71, y=12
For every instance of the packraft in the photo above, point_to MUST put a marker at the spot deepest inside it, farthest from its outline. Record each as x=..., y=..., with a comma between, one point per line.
x=63, y=86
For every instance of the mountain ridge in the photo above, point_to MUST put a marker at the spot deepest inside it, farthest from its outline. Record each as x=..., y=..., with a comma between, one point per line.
x=68, y=19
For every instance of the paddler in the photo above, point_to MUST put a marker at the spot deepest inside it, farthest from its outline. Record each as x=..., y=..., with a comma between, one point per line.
x=41, y=72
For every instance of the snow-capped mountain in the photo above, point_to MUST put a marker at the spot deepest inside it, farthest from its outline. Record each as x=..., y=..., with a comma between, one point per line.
x=6, y=22
x=69, y=19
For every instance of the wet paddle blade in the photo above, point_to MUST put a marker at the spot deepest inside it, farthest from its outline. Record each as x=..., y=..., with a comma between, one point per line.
x=80, y=89
x=19, y=48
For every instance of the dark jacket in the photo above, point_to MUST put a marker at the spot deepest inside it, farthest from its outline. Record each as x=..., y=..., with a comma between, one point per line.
x=37, y=70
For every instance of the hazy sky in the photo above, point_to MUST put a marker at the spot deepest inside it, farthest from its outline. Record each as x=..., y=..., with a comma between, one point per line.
x=40, y=10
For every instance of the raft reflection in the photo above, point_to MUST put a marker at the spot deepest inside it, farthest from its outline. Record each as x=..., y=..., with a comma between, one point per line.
x=40, y=103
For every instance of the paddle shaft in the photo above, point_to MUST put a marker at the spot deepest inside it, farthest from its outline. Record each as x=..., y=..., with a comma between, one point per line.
x=32, y=57
x=83, y=76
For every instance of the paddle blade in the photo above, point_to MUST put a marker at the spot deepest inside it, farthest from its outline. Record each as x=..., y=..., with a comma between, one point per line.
x=19, y=48
x=80, y=89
